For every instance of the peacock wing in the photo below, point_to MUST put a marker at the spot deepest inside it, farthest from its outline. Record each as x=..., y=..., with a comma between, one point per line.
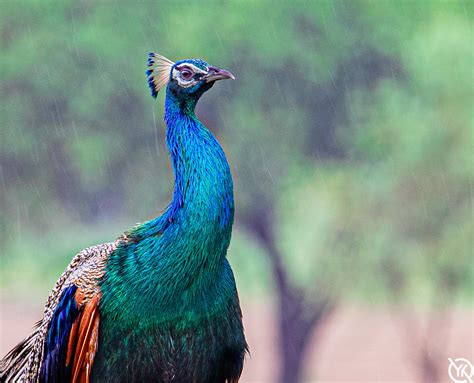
x=72, y=338
x=63, y=344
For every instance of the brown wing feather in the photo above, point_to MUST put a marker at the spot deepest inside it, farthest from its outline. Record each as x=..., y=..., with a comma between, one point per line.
x=83, y=341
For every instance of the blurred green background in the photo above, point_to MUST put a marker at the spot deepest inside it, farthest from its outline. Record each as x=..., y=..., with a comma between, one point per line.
x=350, y=135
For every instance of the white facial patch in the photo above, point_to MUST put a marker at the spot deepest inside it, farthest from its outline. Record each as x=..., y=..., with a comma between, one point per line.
x=183, y=82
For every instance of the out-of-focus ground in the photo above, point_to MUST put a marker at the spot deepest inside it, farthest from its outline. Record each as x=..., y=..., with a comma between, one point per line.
x=358, y=344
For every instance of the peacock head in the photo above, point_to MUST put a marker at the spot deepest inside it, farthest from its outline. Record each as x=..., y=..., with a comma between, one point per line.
x=186, y=79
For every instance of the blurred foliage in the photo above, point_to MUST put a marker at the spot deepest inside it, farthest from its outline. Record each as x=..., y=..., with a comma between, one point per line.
x=351, y=120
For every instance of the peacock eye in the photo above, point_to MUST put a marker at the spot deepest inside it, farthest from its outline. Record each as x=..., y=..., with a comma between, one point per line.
x=186, y=74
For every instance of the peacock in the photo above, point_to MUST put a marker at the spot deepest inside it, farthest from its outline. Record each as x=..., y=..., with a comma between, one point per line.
x=160, y=303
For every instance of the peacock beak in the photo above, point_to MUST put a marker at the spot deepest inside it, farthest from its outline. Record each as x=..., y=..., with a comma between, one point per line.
x=215, y=74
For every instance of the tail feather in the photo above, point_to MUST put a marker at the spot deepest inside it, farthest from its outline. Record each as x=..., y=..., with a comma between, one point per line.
x=14, y=364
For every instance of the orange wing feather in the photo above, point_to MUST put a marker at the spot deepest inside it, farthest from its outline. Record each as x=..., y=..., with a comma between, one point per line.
x=83, y=339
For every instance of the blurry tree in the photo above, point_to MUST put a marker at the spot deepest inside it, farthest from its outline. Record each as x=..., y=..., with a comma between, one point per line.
x=416, y=136
x=349, y=130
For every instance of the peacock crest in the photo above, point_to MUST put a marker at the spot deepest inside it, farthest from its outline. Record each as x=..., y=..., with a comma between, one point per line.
x=158, y=72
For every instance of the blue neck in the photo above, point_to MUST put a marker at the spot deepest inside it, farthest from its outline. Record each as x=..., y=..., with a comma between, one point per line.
x=171, y=259
x=203, y=190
